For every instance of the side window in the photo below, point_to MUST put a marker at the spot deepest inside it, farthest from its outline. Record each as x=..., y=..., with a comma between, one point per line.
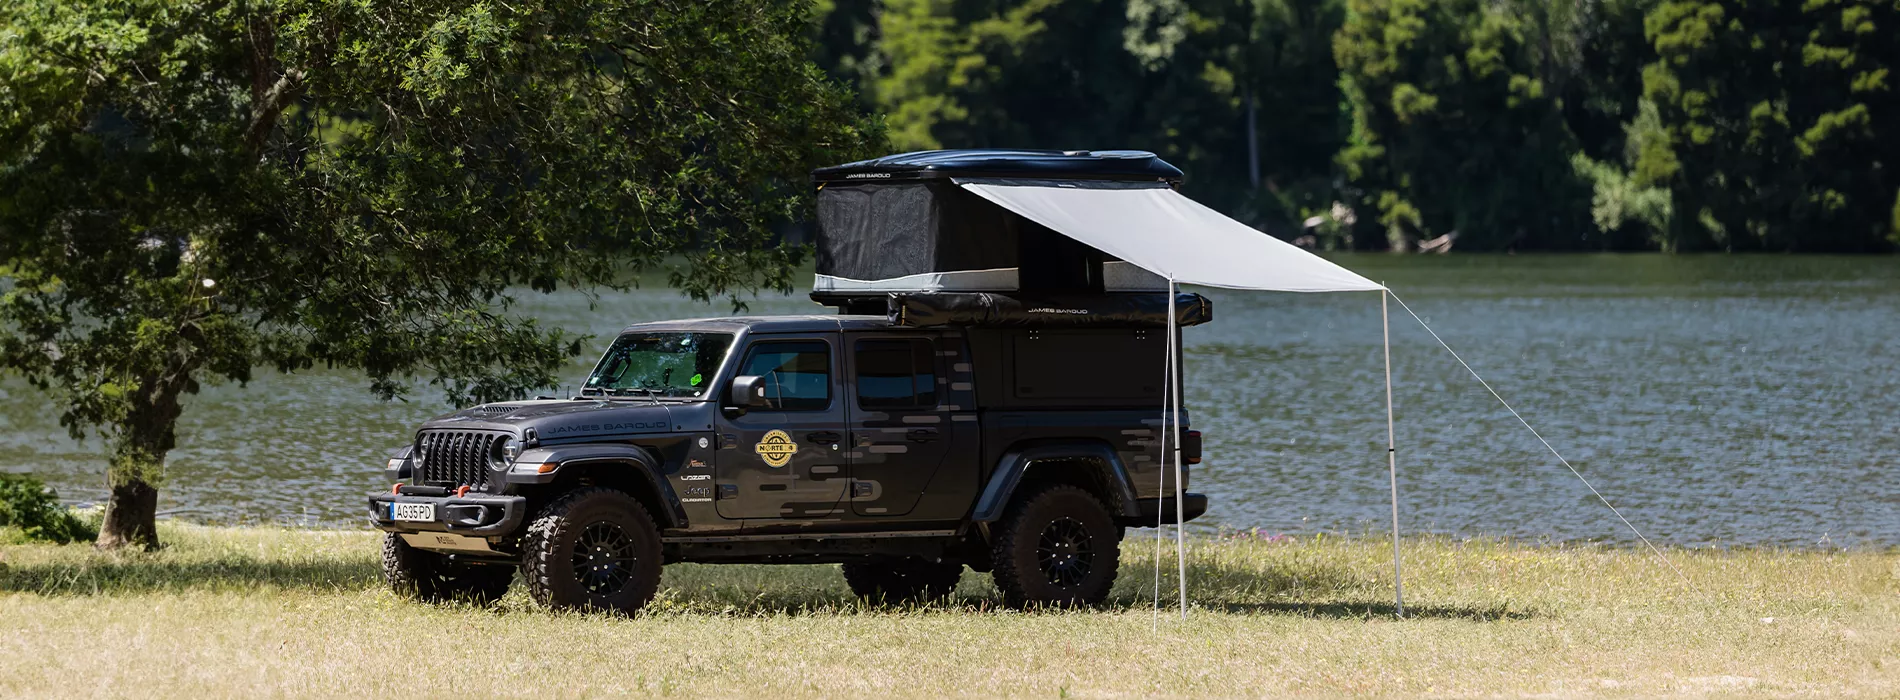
x=797, y=374
x=896, y=374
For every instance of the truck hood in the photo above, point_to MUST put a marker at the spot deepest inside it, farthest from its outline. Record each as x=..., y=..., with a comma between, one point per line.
x=561, y=420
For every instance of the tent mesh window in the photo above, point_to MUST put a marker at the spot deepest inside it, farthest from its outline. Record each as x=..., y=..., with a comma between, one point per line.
x=936, y=236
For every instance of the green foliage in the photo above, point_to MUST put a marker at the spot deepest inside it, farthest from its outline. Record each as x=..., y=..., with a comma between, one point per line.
x=1772, y=112
x=34, y=508
x=1893, y=233
x=1457, y=123
x=1179, y=77
x=192, y=189
x=1486, y=117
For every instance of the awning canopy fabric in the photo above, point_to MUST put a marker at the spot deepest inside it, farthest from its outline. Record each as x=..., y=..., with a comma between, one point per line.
x=1156, y=228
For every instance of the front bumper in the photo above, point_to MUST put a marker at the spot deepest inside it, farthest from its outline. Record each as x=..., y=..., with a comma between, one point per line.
x=472, y=515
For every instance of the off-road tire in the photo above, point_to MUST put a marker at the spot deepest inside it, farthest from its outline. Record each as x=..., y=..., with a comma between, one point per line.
x=428, y=576
x=1057, y=546
x=622, y=571
x=902, y=580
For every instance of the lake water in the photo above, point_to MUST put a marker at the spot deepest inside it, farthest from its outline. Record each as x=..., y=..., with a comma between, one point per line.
x=1716, y=400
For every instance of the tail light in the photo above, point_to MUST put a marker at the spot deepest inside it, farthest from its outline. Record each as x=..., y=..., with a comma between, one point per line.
x=1191, y=447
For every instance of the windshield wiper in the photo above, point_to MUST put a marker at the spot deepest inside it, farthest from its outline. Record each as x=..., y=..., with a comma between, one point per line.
x=652, y=394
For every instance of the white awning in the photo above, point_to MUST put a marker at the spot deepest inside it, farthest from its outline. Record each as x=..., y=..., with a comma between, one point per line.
x=1171, y=235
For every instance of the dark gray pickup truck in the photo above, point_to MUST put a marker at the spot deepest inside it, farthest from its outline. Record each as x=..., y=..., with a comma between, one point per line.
x=904, y=454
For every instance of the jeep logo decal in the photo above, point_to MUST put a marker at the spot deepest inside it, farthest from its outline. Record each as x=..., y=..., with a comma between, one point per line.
x=776, y=448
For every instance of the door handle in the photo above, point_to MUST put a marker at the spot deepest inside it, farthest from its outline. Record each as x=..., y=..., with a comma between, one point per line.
x=824, y=437
x=921, y=435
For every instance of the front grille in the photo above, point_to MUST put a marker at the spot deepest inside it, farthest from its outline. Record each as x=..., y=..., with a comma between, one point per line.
x=457, y=457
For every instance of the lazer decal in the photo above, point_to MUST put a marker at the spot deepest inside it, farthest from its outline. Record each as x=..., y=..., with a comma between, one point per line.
x=695, y=477
x=776, y=448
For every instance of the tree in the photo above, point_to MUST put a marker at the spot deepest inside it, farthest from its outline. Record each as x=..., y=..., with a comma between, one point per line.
x=1251, y=103
x=845, y=37
x=1773, y=112
x=191, y=189
x=1456, y=126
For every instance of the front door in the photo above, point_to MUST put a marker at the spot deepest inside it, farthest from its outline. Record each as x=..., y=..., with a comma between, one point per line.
x=899, y=430
x=786, y=460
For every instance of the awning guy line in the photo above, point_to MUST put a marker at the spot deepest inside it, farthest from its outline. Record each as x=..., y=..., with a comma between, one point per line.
x=1540, y=436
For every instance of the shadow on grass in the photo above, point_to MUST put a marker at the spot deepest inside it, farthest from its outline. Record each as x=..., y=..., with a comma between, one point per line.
x=1369, y=611
x=1284, y=587
x=152, y=572
x=1262, y=587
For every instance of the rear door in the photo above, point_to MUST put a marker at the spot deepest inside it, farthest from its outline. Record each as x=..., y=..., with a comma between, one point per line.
x=787, y=460
x=900, y=432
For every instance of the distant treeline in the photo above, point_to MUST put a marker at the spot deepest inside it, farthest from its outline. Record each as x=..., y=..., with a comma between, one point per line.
x=1680, y=125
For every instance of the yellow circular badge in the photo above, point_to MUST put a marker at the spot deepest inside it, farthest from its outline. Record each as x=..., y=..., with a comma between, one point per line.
x=776, y=448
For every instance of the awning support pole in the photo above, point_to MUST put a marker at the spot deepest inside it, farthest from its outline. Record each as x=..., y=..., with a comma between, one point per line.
x=1180, y=488
x=1392, y=453
x=1161, y=479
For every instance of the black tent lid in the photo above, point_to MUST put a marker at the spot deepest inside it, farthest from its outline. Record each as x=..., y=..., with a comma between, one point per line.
x=1006, y=163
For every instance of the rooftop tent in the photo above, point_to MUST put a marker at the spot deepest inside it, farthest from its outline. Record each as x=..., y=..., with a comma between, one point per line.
x=901, y=224
x=1057, y=222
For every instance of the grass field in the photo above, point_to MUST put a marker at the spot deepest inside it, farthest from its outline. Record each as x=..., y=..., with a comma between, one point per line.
x=225, y=612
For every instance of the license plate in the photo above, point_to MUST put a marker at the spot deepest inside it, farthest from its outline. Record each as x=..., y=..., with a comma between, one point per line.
x=412, y=512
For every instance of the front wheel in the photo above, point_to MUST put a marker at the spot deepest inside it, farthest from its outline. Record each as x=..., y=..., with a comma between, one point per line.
x=425, y=575
x=1058, y=546
x=593, y=549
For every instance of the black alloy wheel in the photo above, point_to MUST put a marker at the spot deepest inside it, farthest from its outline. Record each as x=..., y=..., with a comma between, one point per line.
x=604, y=559
x=592, y=549
x=1055, y=546
x=1065, y=552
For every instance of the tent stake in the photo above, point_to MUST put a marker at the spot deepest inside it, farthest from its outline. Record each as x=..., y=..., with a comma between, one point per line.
x=1180, y=488
x=1392, y=454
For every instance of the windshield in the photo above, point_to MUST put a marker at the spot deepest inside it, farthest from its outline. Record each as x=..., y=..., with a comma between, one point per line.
x=673, y=364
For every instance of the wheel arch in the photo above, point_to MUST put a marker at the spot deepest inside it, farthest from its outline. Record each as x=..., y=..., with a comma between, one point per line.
x=1088, y=464
x=628, y=469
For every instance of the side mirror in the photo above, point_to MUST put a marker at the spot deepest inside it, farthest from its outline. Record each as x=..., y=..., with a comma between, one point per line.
x=747, y=392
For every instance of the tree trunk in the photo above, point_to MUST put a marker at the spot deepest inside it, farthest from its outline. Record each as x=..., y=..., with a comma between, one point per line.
x=131, y=516
x=1253, y=140
x=144, y=436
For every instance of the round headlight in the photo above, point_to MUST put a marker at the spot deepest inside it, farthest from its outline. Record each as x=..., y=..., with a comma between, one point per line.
x=510, y=448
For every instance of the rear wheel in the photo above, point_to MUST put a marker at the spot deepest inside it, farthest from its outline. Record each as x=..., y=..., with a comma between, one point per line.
x=902, y=580
x=592, y=549
x=425, y=575
x=1058, y=546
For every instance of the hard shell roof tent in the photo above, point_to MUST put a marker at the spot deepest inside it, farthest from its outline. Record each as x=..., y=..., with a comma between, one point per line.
x=902, y=224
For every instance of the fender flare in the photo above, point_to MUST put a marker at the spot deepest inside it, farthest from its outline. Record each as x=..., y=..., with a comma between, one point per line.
x=637, y=460
x=1010, y=469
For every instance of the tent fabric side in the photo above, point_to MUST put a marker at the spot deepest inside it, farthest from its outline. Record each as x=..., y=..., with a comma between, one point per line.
x=929, y=232
x=1171, y=235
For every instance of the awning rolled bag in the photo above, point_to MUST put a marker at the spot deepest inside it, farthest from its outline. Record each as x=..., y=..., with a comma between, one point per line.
x=985, y=309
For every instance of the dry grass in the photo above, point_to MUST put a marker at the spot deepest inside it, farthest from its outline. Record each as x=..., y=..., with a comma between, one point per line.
x=227, y=612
